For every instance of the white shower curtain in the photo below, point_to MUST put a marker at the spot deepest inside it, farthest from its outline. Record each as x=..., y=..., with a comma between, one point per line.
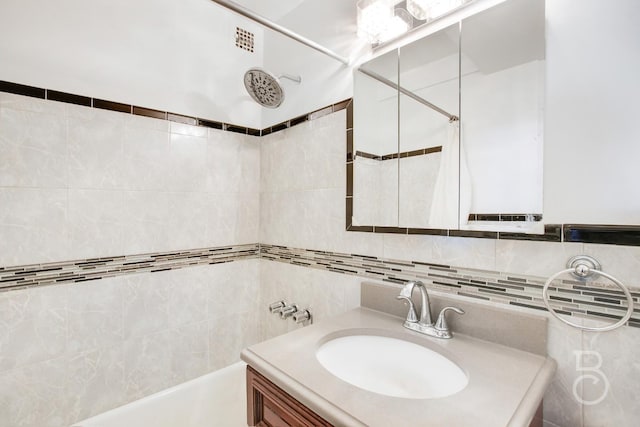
x=453, y=185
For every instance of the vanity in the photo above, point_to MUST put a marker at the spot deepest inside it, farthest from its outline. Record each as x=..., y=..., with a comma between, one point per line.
x=504, y=375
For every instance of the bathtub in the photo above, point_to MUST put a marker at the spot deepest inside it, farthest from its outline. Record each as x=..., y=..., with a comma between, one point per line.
x=217, y=399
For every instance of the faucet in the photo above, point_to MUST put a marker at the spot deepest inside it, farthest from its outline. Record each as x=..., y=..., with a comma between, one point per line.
x=424, y=324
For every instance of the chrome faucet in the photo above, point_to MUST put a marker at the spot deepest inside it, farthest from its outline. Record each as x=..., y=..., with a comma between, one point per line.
x=424, y=324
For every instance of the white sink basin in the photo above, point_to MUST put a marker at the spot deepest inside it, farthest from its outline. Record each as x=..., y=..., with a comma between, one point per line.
x=391, y=367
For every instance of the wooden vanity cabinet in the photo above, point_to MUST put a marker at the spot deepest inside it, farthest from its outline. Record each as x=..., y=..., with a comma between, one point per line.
x=270, y=406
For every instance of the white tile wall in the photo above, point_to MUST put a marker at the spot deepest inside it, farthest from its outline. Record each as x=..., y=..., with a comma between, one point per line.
x=79, y=182
x=71, y=351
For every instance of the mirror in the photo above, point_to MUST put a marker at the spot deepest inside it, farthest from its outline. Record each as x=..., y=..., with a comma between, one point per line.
x=375, y=137
x=416, y=165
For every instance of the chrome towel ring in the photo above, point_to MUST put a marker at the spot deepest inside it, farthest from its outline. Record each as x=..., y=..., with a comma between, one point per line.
x=582, y=267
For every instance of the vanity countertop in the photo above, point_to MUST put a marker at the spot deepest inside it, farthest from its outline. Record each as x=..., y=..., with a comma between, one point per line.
x=505, y=385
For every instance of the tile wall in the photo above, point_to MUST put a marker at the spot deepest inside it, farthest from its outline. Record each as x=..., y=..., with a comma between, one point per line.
x=85, y=183
x=308, y=212
x=80, y=183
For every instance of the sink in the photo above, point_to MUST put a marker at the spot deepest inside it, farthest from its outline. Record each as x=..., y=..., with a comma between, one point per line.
x=391, y=367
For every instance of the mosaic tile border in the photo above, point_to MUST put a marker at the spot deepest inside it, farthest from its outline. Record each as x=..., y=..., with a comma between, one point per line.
x=569, y=297
x=55, y=273
x=69, y=98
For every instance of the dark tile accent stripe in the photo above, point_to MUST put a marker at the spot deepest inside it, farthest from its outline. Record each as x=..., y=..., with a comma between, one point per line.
x=210, y=124
x=112, y=106
x=18, y=89
x=69, y=98
x=147, y=112
x=27, y=276
x=588, y=299
x=237, y=129
x=35, y=92
x=608, y=234
x=391, y=156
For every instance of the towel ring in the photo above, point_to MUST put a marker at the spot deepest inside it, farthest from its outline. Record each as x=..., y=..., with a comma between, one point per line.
x=583, y=266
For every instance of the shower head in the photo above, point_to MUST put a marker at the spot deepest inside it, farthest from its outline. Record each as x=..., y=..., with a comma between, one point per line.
x=265, y=88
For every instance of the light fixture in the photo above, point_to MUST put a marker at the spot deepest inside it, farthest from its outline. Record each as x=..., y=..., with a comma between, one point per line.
x=373, y=18
x=431, y=9
x=399, y=24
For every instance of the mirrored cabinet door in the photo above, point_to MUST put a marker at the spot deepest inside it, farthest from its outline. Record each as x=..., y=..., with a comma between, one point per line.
x=375, y=136
x=428, y=137
x=448, y=130
x=502, y=109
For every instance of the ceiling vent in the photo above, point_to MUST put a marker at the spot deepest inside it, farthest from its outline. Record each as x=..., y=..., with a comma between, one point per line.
x=244, y=39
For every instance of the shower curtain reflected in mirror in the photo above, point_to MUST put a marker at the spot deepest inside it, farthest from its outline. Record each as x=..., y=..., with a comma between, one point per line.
x=452, y=193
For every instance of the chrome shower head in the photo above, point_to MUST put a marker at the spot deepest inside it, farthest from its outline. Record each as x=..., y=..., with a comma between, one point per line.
x=265, y=88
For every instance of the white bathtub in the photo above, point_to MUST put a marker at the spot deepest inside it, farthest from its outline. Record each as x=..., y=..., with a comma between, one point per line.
x=217, y=399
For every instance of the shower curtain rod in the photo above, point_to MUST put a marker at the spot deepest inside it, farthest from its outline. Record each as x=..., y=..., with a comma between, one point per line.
x=280, y=29
x=378, y=77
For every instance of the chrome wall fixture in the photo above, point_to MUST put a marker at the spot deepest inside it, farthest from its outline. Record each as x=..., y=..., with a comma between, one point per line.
x=292, y=311
x=583, y=267
x=249, y=14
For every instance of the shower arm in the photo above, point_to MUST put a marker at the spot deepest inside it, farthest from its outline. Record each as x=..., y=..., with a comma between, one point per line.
x=378, y=77
x=241, y=10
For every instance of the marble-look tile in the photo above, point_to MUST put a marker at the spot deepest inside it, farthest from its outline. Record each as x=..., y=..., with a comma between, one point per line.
x=233, y=288
x=313, y=152
x=96, y=223
x=146, y=227
x=147, y=364
x=187, y=218
x=95, y=151
x=534, y=258
x=145, y=303
x=34, y=395
x=33, y=326
x=189, y=130
x=409, y=247
x=143, y=122
x=95, y=382
x=33, y=225
x=186, y=164
x=228, y=335
x=622, y=262
x=324, y=293
x=233, y=163
x=313, y=219
x=146, y=154
x=560, y=405
x=611, y=370
x=187, y=301
x=189, y=348
x=464, y=252
x=95, y=314
x=33, y=149
x=19, y=102
x=232, y=218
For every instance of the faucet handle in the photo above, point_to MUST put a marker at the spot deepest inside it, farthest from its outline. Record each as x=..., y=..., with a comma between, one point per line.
x=441, y=323
x=276, y=307
x=411, y=315
x=288, y=311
